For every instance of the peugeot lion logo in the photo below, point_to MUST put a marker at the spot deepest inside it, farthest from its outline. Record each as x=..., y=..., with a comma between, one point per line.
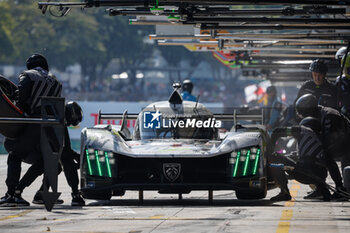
x=171, y=171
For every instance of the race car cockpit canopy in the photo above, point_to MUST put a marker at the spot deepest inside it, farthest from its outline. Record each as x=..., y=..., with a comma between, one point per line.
x=165, y=120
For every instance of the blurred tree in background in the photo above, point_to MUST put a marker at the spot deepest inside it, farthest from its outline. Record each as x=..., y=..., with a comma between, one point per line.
x=89, y=38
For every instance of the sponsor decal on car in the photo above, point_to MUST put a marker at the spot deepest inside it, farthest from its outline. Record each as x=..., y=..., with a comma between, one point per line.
x=155, y=120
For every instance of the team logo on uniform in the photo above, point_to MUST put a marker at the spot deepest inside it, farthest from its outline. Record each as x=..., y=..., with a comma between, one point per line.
x=171, y=171
x=151, y=120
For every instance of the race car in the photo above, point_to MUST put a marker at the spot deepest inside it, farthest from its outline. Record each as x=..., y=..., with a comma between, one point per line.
x=175, y=148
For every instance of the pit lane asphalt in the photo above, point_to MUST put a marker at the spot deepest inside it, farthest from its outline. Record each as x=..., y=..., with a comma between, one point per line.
x=165, y=213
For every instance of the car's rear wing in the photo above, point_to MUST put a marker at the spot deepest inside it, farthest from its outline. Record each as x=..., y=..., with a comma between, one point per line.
x=235, y=117
x=116, y=116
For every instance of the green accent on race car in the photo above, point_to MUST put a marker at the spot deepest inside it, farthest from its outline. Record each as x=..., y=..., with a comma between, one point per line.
x=98, y=163
x=88, y=161
x=246, y=162
x=236, y=166
x=256, y=162
x=103, y=164
x=108, y=165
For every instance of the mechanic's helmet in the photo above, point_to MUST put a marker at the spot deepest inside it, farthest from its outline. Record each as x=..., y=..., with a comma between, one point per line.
x=340, y=53
x=346, y=65
x=37, y=60
x=187, y=85
x=306, y=106
x=312, y=123
x=318, y=66
x=74, y=113
x=271, y=89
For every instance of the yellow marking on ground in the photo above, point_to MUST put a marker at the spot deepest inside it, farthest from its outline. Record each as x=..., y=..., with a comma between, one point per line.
x=289, y=203
x=283, y=227
x=157, y=217
x=293, y=193
x=295, y=187
x=16, y=216
x=287, y=214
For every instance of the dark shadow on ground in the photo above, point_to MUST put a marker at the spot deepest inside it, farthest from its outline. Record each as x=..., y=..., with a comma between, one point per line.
x=184, y=202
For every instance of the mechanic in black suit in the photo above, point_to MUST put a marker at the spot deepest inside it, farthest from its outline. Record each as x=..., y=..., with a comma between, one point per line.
x=33, y=84
x=308, y=166
x=69, y=161
x=335, y=134
x=324, y=91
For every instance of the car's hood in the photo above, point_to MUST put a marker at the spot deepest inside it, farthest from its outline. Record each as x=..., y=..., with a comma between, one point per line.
x=111, y=141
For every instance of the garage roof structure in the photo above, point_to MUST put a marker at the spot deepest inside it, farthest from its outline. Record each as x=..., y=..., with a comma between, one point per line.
x=260, y=34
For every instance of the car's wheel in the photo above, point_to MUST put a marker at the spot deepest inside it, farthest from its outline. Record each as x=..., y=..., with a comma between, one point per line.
x=244, y=195
x=97, y=195
x=118, y=192
x=253, y=194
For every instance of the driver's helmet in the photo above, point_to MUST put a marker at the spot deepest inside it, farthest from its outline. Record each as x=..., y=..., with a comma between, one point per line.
x=187, y=85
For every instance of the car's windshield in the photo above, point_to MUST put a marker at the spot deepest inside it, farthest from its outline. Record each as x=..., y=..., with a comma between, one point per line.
x=179, y=128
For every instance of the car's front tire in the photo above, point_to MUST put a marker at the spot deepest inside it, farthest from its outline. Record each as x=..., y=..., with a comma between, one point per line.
x=97, y=195
x=244, y=195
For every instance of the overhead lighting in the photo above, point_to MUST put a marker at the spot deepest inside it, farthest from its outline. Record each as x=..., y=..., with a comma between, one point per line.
x=123, y=75
x=140, y=75
x=115, y=76
x=293, y=62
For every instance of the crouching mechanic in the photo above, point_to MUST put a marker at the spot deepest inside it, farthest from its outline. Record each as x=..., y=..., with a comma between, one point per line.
x=69, y=161
x=335, y=135
x=309, y=165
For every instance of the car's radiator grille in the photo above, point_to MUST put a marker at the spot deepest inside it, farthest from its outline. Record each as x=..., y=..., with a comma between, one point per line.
x=172, y=170
x=124, y=169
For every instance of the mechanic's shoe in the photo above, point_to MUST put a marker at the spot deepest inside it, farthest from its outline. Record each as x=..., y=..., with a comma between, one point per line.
x=19, y=200
x=316, y=194
x=77, y=199
x=326, y=195
x=8, y=201
x=336, y=196
x=282, y=196
x=38, y=199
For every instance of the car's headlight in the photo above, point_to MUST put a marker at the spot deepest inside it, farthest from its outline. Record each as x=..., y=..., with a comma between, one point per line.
x=99, y=162
x=245, y=161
